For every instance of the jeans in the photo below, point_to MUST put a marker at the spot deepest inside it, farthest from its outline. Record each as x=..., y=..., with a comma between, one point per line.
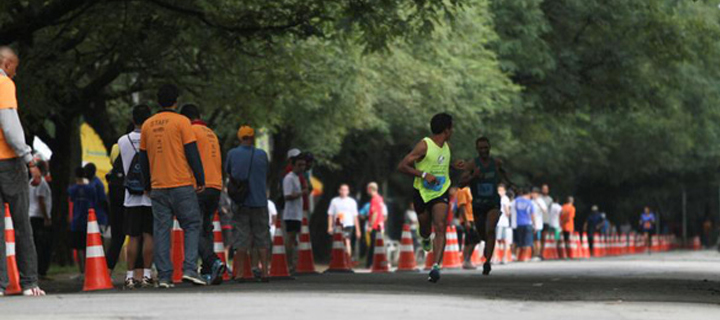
x=14, y=190
x=181, y=202
x=209, y=200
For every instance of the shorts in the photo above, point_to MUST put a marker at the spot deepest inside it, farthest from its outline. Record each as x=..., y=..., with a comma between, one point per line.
x=250, y=227
x=524, y=236
x=292, y=225
x=471, y=237
x=348, y=232
x=504, y=233
x=480, y=211
x=138, y=220
x=422, y=206
x=566, y=237
x=78, y=240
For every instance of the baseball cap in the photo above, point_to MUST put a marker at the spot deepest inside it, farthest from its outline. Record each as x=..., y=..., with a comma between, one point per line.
x=245, y=131
x=292, y=153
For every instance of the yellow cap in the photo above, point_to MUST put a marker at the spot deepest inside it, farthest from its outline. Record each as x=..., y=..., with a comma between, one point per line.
x=245, y=131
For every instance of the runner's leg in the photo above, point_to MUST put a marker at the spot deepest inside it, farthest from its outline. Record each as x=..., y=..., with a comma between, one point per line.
x=491, y=223
x=439, y=217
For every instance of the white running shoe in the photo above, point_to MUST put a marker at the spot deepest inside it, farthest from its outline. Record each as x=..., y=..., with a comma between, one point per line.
x=34, y=292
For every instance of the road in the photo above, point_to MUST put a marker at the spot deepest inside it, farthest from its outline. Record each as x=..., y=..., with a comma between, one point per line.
x=673, y=285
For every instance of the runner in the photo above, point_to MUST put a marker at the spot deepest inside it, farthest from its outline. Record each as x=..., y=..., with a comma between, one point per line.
x=647, y=226
x=483, y=176
x=429, y=163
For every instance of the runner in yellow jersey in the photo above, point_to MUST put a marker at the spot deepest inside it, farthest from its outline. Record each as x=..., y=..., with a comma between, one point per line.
x=429, y=163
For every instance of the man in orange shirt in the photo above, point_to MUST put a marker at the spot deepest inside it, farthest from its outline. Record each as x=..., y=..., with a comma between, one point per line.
x=465, y=214
x=15, y=161
x=567, y=222
x=207, y=142
x=171, y=164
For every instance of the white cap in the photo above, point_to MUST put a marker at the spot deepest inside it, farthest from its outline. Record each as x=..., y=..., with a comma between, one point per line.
x=292, y=153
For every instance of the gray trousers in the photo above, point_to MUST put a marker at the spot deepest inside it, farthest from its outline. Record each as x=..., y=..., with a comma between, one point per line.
x=14, y=191
x=181, y=202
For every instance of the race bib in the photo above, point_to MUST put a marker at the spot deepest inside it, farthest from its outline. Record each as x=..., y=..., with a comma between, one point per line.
x=485, y=189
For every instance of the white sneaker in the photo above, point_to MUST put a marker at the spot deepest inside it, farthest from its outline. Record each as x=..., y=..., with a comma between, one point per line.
x=2, y=293
x=34, y=292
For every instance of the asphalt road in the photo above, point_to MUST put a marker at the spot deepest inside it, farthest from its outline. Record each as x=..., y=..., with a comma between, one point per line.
x=674, y=285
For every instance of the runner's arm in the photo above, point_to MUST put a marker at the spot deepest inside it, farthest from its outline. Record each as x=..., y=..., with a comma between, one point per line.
x=469, y=174
x=407, y=165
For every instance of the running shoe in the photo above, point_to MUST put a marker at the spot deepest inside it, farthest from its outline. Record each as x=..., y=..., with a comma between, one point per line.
x=34, y=292
x=218, y=269
x=166, y=284
x=130, y=283
x=194, y=280
x=147, y=282
x=467, y=265
x=486, y=268
x=434, y=274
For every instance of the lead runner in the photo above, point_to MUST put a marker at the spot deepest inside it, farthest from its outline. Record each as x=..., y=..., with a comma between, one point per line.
x=429, y=163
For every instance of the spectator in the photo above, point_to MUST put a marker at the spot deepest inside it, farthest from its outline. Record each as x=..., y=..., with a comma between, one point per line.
x=250, y=218
x=504, y=233
x=524, y=211
x=41, y=220
x=411, y=219
x=82, y=196
x=548, y=228
x=567, y=218
x=593, y=225
x=101, y=201
x=363, y=214
x=307, y=183
x=540, y=209
x=344, y=209
x=138, y=217
x=293, y=212
x=207, y=143
x=15, y=162
x=376, y=218
x=170, y=159
x=116, y=208
x=647, y=226
x=467, y=219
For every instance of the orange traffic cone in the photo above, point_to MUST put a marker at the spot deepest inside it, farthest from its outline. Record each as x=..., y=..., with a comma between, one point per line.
x=550, y=251
x=97, y=276
x=12, y=269
x=574, y=252
x=306, y=262
x=477, y=258
x=340, y=262
x=380, y=261
x=525, y=254
x=585, y=246
x=451, y=257
x=407, y=261
x=279, y=266
x=177, y=250
x=218, y=245
x=247, y=270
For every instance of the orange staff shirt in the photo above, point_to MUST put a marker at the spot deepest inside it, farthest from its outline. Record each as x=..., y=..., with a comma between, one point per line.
x=164, y=137
x=209, y=148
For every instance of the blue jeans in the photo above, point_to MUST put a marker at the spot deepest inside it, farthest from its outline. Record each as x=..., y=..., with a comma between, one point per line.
x=181, y=202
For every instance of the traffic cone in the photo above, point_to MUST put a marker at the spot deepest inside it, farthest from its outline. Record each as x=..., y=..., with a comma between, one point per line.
x=177, y=250
x=451, y=257
x=478, y=255
x=97, y=276
x=340, y=262
x=585, y=246
x=306, y=262
x=218, y=246
x=525, y=254
x=406, y=262
x=429, y=260
x=247, y=272
x=574, y=252
x=563, y=254
x=550, y=250
x=380, y=261
x=279, y=266
x=12, y=269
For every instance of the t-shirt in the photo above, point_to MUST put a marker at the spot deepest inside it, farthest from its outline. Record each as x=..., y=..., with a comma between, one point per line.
x=523, y=210
x=129, y=145
x=345, y=209
x=41, y=190
x=504, y=204
x=100, y=200
x=83, y=198
x=272, y=212
x=554, y=214
x=209, y=149
x=548, y=201
x=594, y=222
x=377, y=212
x=568, y=217
x=293, y=208
x=238, y=165
x=164, y=137
x=647, y=220
x=464, y=197
x=8, y=100
x=538, y=205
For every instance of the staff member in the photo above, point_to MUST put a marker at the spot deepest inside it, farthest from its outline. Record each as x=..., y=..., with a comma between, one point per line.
x=15, y=161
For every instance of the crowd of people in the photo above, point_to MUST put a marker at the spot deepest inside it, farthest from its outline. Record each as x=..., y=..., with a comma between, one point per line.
x=169, y=167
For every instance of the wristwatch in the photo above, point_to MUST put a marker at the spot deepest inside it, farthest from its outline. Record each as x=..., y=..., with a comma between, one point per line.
x=424, y=174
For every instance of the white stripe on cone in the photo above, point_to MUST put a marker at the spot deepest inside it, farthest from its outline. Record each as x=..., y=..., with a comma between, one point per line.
x=406, y=248
x=304, y=246
x=8, y=223
x=94, y=252
x=278, y=250
x=218, y=247
x=93, y=228
x=216, y=226
x=338, y=245
x=9, y=249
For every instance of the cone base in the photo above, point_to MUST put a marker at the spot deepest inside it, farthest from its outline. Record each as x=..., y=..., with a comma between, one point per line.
x=339, y=271
x=307, y=273
x=416, y=270
x=282, y=278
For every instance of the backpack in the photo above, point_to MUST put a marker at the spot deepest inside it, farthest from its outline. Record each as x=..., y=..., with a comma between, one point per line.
x=135, y=179
x=238, y=190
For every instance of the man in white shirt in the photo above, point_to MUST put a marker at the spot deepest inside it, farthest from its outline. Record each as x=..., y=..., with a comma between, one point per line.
x=138, y=219
x=344, y=209
x=293, y=212
x=540, y=209
x=41, y=220
x=554, y=214
x=504, y=232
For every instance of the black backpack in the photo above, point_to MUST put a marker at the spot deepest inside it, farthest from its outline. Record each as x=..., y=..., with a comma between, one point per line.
x=135, y=179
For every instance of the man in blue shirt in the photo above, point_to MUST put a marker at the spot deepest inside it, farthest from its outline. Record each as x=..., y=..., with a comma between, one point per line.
x=250, y=219
x=83, y=197
x=101, y=204
x=524, y=212
x=593, y=225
